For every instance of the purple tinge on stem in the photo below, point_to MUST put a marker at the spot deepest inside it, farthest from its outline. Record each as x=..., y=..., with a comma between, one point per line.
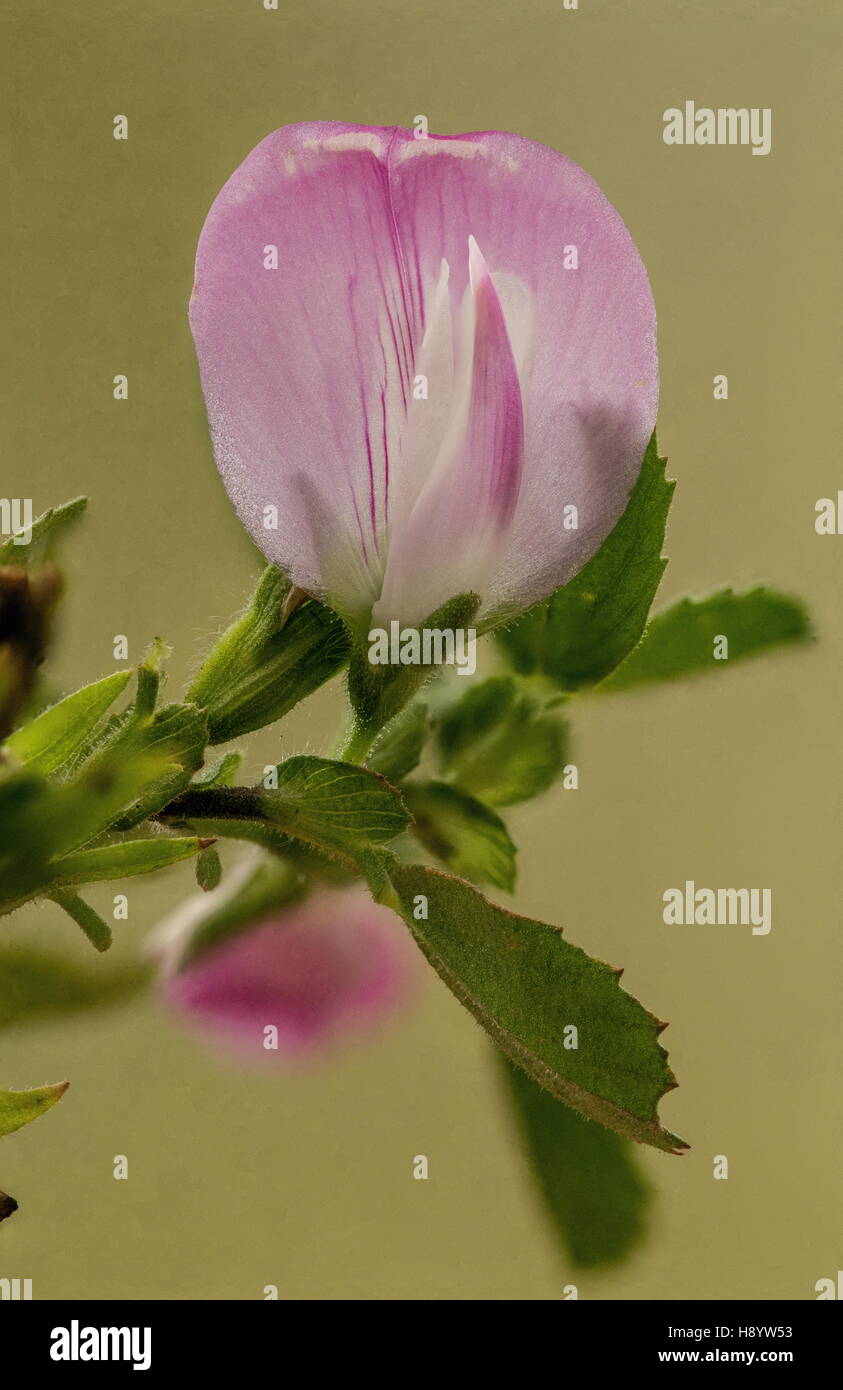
x=416, y=353
x=308, y=976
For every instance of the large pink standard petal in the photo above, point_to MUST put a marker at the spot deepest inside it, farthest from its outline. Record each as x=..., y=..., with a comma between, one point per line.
x=419, y=351
x=317, y=972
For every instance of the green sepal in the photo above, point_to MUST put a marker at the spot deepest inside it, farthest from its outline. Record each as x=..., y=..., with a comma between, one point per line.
x=49, y=742
x=150, y=676
x=125, y=859
x=265, y=663
x=176, y=735
x=379, y=692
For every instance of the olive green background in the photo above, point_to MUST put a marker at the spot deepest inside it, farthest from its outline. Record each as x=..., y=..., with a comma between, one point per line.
x=238, y=1181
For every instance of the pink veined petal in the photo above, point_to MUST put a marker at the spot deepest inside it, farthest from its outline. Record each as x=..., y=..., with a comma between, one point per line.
x=590, y=390
x=308, y=370
x=319, y=972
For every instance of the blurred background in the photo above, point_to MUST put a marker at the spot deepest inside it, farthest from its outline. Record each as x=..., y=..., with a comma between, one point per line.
x=237, y=1181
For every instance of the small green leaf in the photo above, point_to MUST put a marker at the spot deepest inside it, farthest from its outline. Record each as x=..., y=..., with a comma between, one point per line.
x=498, y=745
x=334, y=805
x=44, y=528
x=681, y=641
x=35, y=985
x=220, y=773
x=56, y=736
x=261, y=667
x=468, y=837
x=594, y=1194
x=584, y=630
x=97, y=931
x=525, y=984
x=397, y=750
x=208, y=870
x=19, y=1108
x=125, y=858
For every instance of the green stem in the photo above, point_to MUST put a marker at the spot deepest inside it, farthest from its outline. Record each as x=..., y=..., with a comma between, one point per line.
x=97, y=931
x=358, y=744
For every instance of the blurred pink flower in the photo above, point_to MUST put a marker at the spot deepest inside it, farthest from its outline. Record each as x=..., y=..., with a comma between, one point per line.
x=419, y=351
x=318, y=972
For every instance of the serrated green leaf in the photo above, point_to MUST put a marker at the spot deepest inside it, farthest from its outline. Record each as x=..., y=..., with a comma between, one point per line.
x=680, y=641
x=594, y=1194
x=584, y=630
x=524, y=983
x=497, y=744
x=397, y=751
x=44, y=528
x=468, y=837
x=51, y=740
x=19, y=1108
x=37, y=985
x=260, y=668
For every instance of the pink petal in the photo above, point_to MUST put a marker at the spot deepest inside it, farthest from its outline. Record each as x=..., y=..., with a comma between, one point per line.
x=318, y=972
x=449, y=541
x=305, y=369
x=308, y=370
x=590, y=390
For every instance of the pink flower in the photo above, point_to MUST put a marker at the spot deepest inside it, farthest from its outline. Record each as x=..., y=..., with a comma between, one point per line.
x=420, y=352
x=316, y=972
